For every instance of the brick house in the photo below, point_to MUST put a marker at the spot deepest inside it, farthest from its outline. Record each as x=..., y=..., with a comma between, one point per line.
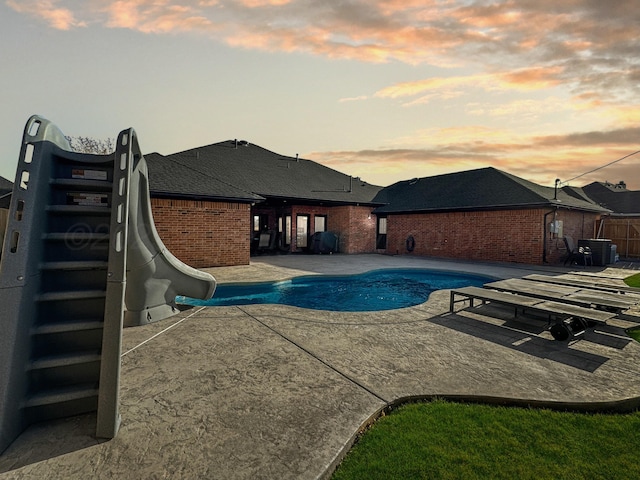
x=482, y=214
x=213, y=205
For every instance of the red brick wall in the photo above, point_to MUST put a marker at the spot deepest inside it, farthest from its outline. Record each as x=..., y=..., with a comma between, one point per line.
x=505, y=236
x=356, y=227
x=575, y=224
x=204, y=233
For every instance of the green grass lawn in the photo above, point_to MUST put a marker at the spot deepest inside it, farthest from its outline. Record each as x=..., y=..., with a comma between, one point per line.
x=633, y=280
x=443, y=440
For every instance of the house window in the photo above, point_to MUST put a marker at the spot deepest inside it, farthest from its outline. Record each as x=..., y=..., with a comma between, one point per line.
x=381, y=234
x=320, y=223
x=287, y=230
x=302, y=231
x=256, y=223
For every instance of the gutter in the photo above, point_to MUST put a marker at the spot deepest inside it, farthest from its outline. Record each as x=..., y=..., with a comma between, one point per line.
x=495, y=207
x=544, y=234
x=211, y=198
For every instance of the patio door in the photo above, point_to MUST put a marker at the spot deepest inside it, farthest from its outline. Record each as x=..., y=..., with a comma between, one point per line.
x=302, y=231
x=284, y=230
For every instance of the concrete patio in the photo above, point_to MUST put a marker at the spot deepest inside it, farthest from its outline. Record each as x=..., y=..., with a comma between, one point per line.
x=271, y=391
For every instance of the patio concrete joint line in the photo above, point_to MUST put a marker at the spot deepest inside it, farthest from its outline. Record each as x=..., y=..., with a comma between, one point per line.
x=163, y=331
x=311, y=354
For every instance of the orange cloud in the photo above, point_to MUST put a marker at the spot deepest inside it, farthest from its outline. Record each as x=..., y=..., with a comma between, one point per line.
x=154, y=16
x=263, y=3
x=536, y=53
x=541, y=159
x=522, y=80
x=58, y=18
x=536, y=78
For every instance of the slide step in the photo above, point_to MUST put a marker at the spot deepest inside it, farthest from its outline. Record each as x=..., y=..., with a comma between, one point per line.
x=71, y=295
x=79, y=209
x=76, y=236
x=62, y=395
x=64, y=327
x=64, y=360
x=75, y=265
x=83, y=184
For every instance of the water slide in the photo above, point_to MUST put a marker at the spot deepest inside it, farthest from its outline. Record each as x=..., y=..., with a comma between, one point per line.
x=81, y=259
x=154, y=276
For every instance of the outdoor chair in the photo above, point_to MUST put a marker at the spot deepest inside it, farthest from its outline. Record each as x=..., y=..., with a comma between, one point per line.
x=267, y=241
x=580, y=255
x=586, y=255
x=572, y=251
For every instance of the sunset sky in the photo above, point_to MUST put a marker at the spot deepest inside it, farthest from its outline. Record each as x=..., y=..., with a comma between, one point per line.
x=384, y=90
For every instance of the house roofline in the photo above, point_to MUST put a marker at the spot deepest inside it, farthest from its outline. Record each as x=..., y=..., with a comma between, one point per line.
x=498, y=207
x=321, y=200
x=212, y=198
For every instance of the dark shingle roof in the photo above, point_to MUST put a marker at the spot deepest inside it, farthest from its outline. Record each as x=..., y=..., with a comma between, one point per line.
x=224, y=169
x=5, y=186
x=172, y=178
x=484, y=188
x=614, y=197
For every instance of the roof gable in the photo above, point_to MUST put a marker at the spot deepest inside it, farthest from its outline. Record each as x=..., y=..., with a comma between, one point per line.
x=254, y=170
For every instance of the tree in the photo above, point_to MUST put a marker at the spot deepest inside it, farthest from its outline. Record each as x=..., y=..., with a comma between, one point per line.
x=91, y=145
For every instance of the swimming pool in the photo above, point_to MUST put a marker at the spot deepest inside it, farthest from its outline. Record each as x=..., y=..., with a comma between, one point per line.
x=375, y=290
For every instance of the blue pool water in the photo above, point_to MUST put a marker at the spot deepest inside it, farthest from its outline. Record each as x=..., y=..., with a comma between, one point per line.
x=375, y=290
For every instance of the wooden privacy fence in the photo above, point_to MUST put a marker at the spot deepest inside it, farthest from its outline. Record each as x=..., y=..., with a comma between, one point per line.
x=623, y=232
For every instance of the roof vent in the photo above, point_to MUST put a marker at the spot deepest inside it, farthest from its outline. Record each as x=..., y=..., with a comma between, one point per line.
x=243, y=143
x=413, y=181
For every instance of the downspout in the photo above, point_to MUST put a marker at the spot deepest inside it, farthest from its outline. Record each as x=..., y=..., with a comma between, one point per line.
x=544, y=234
x=544, y=227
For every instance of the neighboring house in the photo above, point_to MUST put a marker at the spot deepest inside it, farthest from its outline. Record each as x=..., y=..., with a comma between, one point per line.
x=212, y=205
x=615, y=197
x=622, y=225
x=482, y=214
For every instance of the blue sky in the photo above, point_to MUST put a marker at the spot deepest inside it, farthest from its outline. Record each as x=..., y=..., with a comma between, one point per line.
x=384, y=90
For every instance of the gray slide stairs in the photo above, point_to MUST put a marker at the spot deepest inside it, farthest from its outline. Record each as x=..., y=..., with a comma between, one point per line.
x=63, y=279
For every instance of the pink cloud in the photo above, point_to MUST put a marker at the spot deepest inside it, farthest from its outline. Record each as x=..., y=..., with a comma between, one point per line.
x=526, y=79
x=154, y=16
x=541, y=159
x=581, y=55
x=263, y=3
x=56, y=17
